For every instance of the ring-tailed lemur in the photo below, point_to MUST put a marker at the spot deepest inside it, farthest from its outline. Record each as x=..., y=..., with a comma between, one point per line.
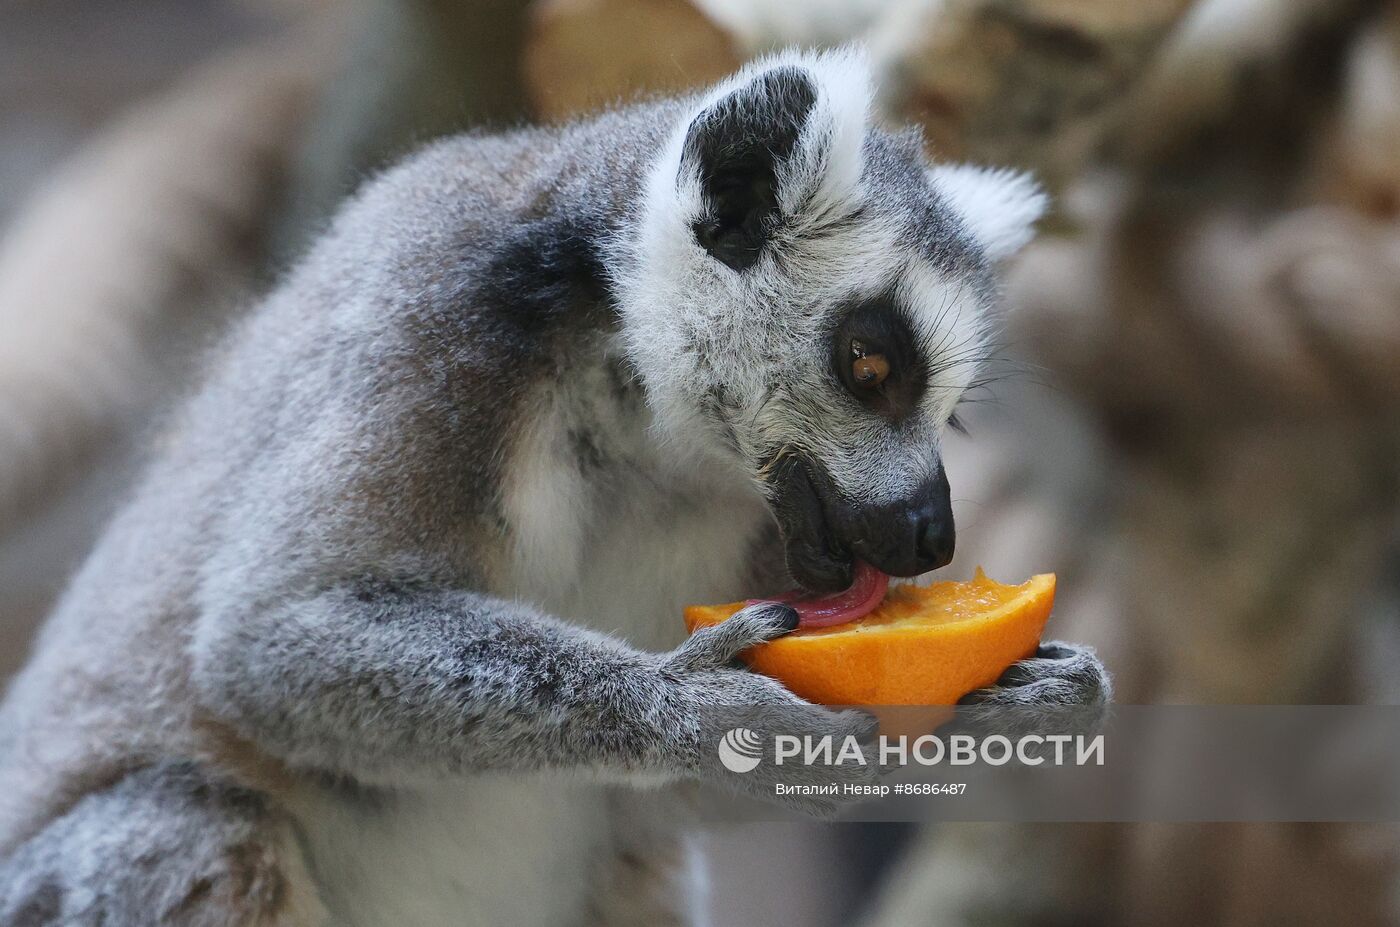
x=389, y=634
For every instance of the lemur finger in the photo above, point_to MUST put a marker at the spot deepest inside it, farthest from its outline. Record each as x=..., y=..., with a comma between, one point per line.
x=1059, y=650
x=716, y=646
x=1068, y=671
x=1064, y=686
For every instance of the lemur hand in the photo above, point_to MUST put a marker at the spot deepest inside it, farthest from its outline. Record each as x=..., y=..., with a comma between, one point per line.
x=1062, y=686
x=709, y=686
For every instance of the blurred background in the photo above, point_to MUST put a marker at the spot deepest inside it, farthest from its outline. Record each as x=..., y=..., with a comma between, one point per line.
x=1196, y=424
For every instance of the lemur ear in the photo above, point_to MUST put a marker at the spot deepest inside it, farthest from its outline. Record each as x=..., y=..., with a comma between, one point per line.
x=999, y=206
x=737, y=148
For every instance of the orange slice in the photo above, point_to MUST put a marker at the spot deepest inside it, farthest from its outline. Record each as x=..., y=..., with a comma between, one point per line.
x=924, y=645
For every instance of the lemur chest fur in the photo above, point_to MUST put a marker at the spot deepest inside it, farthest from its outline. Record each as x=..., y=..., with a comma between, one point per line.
x=608, y=530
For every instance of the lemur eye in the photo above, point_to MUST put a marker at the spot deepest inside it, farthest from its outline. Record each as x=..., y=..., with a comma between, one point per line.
x=868, y=368
x=876, y=357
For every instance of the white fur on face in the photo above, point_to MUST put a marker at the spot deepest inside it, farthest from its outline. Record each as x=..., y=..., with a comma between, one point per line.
x=741, y=360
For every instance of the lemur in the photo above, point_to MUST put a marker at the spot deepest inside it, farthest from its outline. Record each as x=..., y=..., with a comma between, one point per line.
x=389, y=632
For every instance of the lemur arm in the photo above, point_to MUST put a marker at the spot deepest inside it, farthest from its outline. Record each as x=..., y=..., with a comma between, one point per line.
x=391, y=685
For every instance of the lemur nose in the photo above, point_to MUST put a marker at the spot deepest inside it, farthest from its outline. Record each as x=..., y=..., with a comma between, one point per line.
x=937, y=541
x=909, y=537
x=935, y=537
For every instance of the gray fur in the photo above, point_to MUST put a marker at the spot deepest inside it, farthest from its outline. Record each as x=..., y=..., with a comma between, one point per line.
x=413, y=558
x=165, y=845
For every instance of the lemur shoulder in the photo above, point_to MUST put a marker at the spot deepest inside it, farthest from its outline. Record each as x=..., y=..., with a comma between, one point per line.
x=389, y=631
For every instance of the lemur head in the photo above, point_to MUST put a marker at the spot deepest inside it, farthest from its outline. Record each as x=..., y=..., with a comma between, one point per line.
x=807, y=295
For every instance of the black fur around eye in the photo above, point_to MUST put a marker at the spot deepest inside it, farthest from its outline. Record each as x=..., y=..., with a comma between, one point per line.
x=875, y=355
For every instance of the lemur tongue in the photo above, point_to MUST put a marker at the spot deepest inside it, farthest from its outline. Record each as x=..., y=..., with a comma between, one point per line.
x=867, y=590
